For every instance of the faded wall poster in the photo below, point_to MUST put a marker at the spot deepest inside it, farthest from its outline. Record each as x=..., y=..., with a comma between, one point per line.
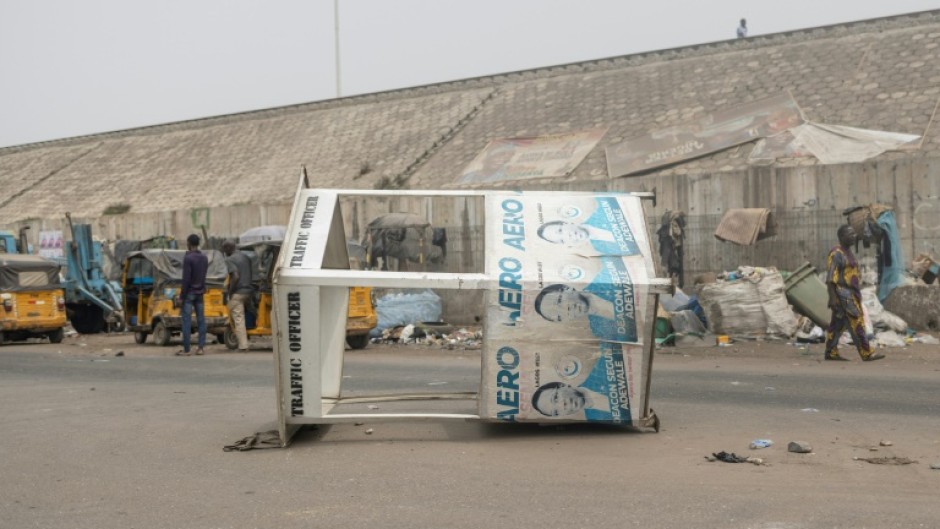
x=51, y=244
x=714, y=132
x=536, y=157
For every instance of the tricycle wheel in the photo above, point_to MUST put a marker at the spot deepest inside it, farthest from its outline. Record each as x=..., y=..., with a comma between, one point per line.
x=358, y=342
x=56, y=336
x=161, y=335
x=87, y=319
x=140, y=337
x=231, y=341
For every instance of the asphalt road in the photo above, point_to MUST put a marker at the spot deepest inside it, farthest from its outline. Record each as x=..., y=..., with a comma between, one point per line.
x=93, y=440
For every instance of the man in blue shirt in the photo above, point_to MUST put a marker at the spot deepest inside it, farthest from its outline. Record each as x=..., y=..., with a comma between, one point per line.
x=195, y=266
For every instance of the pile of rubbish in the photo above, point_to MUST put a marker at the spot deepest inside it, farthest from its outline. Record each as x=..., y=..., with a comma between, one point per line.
x=681, y=321
x=745, y=303
x=398, y=309
x=413, y=317
x=762, y=303
x=433, y=334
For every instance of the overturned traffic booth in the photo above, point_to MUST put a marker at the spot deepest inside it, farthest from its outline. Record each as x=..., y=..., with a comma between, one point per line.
x=571, y=291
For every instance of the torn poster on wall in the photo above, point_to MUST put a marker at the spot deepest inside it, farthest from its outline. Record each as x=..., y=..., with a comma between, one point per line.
x=535, y=157
x=830, y=144
x=715, y=132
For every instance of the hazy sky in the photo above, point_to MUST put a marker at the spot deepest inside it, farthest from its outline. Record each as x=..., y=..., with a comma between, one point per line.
x=72, y=67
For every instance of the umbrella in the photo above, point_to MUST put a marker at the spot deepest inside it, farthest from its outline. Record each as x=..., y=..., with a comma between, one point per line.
x=262, y=233
x=398, y=220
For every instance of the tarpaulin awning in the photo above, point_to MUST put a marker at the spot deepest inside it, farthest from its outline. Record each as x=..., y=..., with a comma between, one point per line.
x=168, y=264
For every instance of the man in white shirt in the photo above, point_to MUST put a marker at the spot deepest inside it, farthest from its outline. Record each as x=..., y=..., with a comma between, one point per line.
x=742, y=29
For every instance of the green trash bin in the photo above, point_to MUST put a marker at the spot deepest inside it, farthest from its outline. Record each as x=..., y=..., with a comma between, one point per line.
x=809, y=295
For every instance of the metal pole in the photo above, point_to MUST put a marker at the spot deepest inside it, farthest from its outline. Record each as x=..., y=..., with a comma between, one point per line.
x=336, y=32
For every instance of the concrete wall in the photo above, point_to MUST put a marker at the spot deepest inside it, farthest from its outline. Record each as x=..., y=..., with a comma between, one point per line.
x=807, y=200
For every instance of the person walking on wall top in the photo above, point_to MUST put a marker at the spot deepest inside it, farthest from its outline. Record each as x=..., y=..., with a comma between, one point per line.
x=845, y=299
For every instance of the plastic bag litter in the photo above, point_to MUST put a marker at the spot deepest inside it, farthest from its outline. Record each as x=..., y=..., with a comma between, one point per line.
x=674, y=302
x=880, y=318
x=927, y=339
x=892, y=322
x=868, y=270
x=729, y=457
x=685, y=322
x=735, y=458
x=809, y=331
x=407, y=308
x=889, y=339
x=866, y=317
x=407, y=333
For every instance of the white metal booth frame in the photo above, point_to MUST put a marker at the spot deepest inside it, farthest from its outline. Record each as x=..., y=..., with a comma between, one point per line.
x=310, y=303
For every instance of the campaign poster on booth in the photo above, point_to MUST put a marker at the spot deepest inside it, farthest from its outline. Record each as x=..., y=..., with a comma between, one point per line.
x=541, y=382
x=569, y=298
x=586, y=225
x=567, y=289
x=565, y=326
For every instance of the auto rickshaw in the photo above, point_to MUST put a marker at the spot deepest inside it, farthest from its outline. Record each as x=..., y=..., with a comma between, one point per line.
x=152, y=280
x=32, y=302
x=404, y=242
x=360, y=317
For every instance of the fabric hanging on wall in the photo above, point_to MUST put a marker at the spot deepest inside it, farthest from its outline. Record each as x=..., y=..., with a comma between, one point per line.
x=891, y=265
x=746, y=226
x=671, y=237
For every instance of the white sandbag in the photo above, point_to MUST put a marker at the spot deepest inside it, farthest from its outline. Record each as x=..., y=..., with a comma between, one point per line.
x=755, y=306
